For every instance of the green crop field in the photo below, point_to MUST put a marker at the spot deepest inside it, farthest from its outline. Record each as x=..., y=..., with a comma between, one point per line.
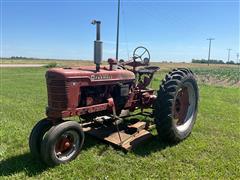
x=223, y=75
x=211, y=151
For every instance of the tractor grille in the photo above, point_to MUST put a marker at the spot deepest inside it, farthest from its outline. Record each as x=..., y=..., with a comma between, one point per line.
x=57, y=94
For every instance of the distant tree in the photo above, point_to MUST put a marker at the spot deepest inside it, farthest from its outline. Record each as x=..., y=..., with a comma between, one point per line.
x=19, y=57
x=230, y=62
x=221, y=62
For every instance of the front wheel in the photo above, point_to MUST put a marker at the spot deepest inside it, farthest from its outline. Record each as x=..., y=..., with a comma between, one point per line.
x=62, y=143
x=175, y=108
x=36, y=136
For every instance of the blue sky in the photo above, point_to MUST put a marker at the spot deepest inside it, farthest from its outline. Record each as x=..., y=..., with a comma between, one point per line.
x=171, y=30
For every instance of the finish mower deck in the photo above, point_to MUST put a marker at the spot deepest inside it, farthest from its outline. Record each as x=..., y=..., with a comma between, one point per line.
x=121, y=135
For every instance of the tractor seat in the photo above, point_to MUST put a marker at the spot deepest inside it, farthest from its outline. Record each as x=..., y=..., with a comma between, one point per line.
x=145, y=76
x=148, y=70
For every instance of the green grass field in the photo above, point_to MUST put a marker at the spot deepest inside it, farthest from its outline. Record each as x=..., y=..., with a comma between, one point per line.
x=211, y=152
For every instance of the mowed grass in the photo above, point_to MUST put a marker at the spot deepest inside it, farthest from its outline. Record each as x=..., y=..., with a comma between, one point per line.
x=211, y=152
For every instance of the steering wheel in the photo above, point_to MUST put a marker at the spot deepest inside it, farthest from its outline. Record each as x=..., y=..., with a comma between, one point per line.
x=142, y=54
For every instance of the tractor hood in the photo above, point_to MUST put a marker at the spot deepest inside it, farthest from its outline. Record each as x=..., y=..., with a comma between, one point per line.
x=88, y=73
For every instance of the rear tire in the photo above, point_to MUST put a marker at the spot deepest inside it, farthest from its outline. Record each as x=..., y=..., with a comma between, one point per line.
x=36, y=136
x=62, y=143
x=175, y=108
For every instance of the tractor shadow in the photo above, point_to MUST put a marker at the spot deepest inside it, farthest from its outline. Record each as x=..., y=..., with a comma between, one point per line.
x=23, y=162
x=31, y=166
x=151, y=146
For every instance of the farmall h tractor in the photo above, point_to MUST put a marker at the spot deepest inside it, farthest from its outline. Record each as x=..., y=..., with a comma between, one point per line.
x=103, y=96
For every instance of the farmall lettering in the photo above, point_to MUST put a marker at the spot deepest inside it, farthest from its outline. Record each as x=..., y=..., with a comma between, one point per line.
x=100, y=77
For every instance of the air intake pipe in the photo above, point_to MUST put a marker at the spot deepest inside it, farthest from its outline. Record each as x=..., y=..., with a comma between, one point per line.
x=97, y=46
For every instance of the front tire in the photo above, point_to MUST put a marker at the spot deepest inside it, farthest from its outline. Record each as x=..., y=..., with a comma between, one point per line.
x=36, y=136
x=62, y=143
x=175, y=108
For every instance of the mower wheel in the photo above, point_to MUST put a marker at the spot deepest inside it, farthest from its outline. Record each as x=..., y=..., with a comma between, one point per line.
x=36, y=136
x=175, y=108
x=62, y=143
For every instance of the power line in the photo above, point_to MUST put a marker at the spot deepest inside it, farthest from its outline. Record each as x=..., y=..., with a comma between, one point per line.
x=209, y=49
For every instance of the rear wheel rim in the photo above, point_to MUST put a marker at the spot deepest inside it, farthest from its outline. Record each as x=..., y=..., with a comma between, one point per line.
x=67, y=145
x=184, y=107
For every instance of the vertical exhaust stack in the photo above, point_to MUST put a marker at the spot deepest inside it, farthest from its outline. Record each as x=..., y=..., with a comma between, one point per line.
x=97, y=46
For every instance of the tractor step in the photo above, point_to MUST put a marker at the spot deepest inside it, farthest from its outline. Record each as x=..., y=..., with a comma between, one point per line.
x=128, y=137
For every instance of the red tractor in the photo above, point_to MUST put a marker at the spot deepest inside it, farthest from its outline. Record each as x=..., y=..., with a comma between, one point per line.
x=103, y=96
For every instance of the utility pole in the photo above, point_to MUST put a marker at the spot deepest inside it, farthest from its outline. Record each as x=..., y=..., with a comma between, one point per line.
x=237, y=58
x=229, y=54
x=209, y=50
x=238, y=64
x=118, y=18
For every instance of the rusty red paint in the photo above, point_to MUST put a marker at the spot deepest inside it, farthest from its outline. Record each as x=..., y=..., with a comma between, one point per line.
x=79, y=111
x=64, y=86
x=181, y=105
x=90, y=101
x=111, y=102
x=86, y=73
x=63, y=145
x=64, y=90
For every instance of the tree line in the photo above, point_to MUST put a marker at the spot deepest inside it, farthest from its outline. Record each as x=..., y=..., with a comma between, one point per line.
x=204, y=61
x=21, y=57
